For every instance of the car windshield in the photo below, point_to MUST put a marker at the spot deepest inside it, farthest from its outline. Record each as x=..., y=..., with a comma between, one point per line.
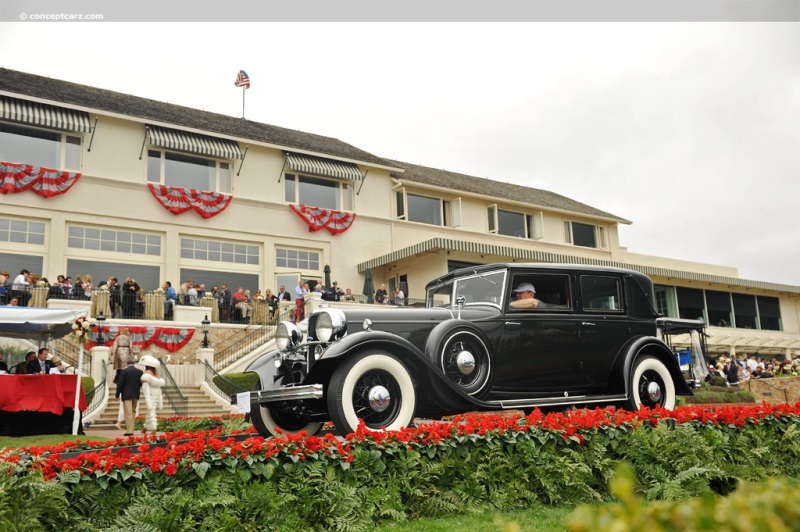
x=476, y=289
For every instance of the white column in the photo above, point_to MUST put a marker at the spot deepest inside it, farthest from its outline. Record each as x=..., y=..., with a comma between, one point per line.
x=204, y=354
x=99, y=359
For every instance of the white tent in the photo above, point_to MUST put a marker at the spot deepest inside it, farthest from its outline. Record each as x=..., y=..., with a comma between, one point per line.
x=27, y=322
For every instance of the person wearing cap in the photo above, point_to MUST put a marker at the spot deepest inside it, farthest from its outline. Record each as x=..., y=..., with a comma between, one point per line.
x=151, y=392
x=525, y=295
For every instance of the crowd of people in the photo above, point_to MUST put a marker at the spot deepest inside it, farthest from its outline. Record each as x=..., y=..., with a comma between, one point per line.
x=36, y=363
x=126, y=300
x=736, y=370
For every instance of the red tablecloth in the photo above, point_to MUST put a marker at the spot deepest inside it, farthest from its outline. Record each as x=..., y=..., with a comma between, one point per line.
x=41, y=393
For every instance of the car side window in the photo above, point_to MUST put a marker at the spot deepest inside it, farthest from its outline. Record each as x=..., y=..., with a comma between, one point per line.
x=601, y=293
x=539, y=291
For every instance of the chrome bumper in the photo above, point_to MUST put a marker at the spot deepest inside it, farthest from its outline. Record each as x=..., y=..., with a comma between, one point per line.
x=311, y=391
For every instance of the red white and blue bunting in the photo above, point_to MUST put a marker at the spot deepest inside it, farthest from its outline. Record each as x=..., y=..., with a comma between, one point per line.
x=46, y=182
x=178, y=200
x=169, y=338
x=334, y=221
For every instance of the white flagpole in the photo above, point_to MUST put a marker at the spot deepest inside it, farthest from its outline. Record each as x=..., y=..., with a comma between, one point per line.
x=243, y=91
x=75, y=412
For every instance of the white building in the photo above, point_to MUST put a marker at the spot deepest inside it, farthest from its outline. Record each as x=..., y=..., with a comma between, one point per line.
x=112, y=210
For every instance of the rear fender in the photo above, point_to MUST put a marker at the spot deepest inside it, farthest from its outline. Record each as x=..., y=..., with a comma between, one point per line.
x=648, y=345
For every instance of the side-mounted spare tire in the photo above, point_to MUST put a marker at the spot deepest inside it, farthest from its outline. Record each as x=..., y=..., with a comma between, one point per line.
x=460, y=350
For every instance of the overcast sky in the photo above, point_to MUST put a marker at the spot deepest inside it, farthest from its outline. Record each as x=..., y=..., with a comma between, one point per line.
x=691, y=131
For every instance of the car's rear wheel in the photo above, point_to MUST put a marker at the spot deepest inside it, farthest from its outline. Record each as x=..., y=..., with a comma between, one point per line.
x=272, y=420
x=372, y=386
x=651, y=385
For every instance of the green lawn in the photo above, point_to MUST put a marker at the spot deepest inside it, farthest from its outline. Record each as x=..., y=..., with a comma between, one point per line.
x=43, y=439
x=538, y=518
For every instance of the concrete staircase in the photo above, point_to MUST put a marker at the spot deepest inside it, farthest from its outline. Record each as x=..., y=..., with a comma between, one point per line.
x=198, y=402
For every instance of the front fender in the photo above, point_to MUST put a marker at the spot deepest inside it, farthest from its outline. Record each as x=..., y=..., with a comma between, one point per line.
x=264, y=367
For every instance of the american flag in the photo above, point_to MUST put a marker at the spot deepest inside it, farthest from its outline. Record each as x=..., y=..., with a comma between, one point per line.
x=242, y=79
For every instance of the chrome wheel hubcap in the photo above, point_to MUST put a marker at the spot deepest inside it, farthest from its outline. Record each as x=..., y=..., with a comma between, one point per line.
x=465, y=362
x=379, y=398
x=654, y=392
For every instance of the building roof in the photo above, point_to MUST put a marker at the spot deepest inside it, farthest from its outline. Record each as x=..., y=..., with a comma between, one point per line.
x=90, y=98
x=501, y=253
x=497, y=189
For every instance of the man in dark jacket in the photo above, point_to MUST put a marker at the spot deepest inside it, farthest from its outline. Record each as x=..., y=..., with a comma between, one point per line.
x=128, y=386
x=40, y=364
x=22, y=367
x=732, y=371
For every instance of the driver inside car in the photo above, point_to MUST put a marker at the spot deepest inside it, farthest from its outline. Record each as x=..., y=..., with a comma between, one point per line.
x=525, y=297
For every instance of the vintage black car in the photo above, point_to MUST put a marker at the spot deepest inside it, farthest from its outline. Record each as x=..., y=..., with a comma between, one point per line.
x=491, y=337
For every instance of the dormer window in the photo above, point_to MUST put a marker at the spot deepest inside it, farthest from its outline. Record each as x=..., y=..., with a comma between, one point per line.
x=190, y=160
x=585, y=235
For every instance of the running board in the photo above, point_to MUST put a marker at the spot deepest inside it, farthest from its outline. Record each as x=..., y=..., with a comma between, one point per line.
x=558, y=401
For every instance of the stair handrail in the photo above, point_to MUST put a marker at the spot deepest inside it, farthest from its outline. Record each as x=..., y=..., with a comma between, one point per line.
x=241, y=347
x=97, y=394
x=171, y=390
x=71, y=352
x=211, y=377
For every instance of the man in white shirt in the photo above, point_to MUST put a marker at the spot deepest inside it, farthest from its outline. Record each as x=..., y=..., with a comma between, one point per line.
x=20, y=288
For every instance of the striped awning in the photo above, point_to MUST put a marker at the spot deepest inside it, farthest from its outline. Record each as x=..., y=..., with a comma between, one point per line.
x=173, y=139
x=39, y=114
x=499, y=253
x=321, y=166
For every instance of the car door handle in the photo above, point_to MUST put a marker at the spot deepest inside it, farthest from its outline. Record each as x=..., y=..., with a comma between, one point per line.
x=513, y=323
x=587, y=323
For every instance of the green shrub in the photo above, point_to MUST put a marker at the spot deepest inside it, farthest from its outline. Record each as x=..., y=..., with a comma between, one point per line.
x=767, y=506
x=713, y=394
x=232, y=383
x=87, y=383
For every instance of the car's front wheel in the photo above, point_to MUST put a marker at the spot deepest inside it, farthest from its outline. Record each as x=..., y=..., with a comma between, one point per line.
x=272, y=421
x=375, y=387
x=651, y=385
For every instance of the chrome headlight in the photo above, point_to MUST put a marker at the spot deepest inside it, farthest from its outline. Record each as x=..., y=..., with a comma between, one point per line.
x=330, y=325
x=288, y=336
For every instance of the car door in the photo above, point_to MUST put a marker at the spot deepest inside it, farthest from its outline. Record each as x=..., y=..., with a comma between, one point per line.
x=538, y=351
x=604, y=327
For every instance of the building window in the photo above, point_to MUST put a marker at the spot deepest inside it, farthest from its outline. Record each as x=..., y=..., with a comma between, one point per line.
x=718, y=307
x=769, y=313
x=219, y=251
x=690, y=303
x=515, y=224
x=298, y=259
x=21, y=232
x=584, y=235
x=38, y=147
x=318, y=192
x=744, y=308
x=188, y=171
x=427, y=209
x=665, y=300
x=111, y=240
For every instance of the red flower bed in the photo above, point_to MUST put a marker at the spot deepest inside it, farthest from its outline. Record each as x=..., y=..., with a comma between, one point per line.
x=196, y=452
